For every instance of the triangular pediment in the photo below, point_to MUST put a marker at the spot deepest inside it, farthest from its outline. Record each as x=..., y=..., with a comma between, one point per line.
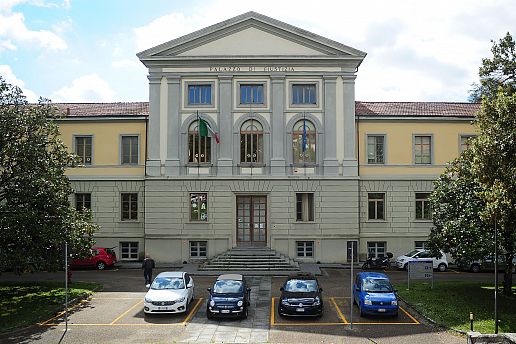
x=251, y=34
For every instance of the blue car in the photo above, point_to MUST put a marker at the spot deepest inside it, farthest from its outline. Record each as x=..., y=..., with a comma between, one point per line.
x=373, y=293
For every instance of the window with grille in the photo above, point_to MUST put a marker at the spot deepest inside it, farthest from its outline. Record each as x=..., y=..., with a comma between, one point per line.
x=305, y=248
x=303, y=142
x=376, y=249
x=129, y=206
x=376, y=206
x=199, y=147
x=130, y=150
x=375, y=149
x=82, y=201
x=83, y=149
x=304, y=94
x=465, y=141
x=198, y=207
x=423, y=208
x=199, y=94
x=304, y=207
x=423, y=150
x=129, y=250
x=251, y=94
x=251, y=142
x=198, y=249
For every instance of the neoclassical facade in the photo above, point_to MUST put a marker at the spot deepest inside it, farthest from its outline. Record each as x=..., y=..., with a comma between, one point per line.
x=252, y=137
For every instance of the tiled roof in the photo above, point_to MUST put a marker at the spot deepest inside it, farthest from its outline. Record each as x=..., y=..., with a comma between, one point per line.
x=416, y=109
x=372, y=109
x=122, y=109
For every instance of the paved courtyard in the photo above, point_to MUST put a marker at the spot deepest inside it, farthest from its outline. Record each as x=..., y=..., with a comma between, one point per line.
x=115, y=315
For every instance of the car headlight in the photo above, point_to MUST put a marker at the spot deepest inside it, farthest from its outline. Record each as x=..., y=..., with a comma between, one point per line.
x=394, y=302
x=368, y=302
x=212, y=303
x=285, y=302
x=240, y=303
x=148, y=300
x=181, y=299
x=317, y=301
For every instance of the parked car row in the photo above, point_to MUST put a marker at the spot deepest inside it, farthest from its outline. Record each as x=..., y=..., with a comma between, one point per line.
x=485, y=264
x=301, y=295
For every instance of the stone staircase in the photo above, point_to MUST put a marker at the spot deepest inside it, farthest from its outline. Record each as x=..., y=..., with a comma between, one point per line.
x=250, y=259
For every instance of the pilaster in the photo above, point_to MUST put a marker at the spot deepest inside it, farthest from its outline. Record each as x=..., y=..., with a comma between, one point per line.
x=278, y=125
x=225, y=122
x=349, y=164
x=330, y=163
x=153, y=135
x=173, y=126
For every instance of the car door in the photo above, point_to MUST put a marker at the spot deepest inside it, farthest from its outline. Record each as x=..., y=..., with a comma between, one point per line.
x=189, y=284
x=356, y=294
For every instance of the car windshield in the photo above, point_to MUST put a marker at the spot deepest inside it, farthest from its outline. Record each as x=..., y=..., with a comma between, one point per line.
x=412, y=253
x=168, y=283
x=228, y=287
x=301, y=286
x=377, y=285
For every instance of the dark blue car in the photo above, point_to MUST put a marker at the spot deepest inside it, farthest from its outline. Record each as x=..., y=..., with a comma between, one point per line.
x=229, y=297
x=373, y=293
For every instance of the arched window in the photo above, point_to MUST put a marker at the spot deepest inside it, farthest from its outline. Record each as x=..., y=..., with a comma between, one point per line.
x=199, y=147
x=251, y=142
x=303, y=142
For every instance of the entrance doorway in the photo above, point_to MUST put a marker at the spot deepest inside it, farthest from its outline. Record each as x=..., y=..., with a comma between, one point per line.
x=251, y=220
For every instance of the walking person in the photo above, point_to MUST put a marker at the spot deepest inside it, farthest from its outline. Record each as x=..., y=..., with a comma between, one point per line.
x=147, y=266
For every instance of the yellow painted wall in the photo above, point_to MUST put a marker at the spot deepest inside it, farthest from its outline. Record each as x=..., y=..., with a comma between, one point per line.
x=106, y=146
x=399, y=145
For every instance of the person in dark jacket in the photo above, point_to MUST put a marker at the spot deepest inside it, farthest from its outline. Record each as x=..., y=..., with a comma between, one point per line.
x=147, y=266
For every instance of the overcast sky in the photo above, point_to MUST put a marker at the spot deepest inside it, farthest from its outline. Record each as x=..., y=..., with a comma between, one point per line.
x=85, y=50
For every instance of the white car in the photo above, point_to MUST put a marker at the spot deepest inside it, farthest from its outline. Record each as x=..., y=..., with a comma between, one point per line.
x=170, y=292
x=440, y=263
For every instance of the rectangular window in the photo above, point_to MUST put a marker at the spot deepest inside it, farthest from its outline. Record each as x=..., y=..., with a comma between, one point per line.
x=251, y=94
x=376, y=249
x=129, y=250
x=129, y=206
x=305, y=248
x=198, y=207
x=198, y=249
x=304, y=207
x=199, y=94
x=82, y=201
x=423, y=150
x=129, y=150
x=464, y=141
x=83, y=148
x=304, y=94
x=423, y=209
x=376, y=206
x=375, y=149
x=420, y=245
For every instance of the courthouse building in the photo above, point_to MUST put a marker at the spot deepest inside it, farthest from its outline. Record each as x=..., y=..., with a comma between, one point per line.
x=252, y=136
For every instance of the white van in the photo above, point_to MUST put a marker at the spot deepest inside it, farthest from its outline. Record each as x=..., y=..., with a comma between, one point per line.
x=440, y=263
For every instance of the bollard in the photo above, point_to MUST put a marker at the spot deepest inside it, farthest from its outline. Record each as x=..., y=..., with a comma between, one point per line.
x=471, y=320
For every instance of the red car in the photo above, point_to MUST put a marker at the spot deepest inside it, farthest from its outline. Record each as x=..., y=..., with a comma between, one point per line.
x=100, y=259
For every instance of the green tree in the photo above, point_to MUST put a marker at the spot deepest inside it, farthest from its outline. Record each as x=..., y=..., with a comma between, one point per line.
x=35, y=212
x=498, y=71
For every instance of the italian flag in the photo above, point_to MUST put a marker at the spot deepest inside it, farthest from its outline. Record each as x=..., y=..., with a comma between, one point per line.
x=204, y=127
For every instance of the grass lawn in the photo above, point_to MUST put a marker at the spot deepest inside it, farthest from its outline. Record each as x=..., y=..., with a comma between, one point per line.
x=449, y=304
x=23, y=304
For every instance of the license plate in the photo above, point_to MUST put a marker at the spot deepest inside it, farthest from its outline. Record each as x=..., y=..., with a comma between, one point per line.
x=225, y=311
x=162, y=308
x=381, y=310
x=300, y=309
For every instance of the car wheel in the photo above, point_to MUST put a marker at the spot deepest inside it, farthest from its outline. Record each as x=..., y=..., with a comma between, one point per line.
x=281, y=315
x=442, y=267
x=355, y=301
x=208, y=314
x=245, y=314
x=475, y=268
x=101, y=265
x=405, y=267
x=362, y=314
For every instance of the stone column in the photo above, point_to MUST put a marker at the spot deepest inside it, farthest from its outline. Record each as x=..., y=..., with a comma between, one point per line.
x=278, y=125
x=153, y=134
x=330, y=163
x=349, y=164
x=225, y=122
x=172, y=165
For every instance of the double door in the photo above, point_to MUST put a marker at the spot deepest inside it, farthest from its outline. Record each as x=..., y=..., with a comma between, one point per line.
x=251, y=220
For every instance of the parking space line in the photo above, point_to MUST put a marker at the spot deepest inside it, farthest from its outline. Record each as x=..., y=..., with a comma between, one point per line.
x=192, y=312
x=127, y=311
x=338, y=311
x=272, y=312
x=63, y=312
x=274, y=323
x=134, y=325
x=410, y=316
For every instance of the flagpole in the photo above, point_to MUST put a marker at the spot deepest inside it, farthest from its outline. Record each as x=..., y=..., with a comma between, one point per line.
x=198, y=142
x=303, y=141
